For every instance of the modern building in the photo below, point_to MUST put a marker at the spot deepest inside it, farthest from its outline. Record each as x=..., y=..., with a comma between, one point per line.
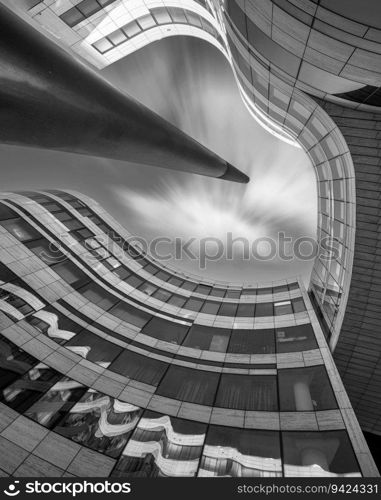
x=114, y=365
x=309, y=72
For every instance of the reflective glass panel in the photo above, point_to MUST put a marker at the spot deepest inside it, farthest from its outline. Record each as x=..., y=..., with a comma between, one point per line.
x=185, y=384
x=316, y=454
x=247, y=392
x=305, y=389
x=230, y=452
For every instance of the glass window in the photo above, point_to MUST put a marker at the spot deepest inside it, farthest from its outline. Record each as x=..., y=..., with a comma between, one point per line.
x=149, y=268
x=111, y=263
x=13, y=364
x=338, y=189
x=295, y=338
x=193, y=19
x=32, y=3
x=70, y=273
x=162, y=295
x=248, y=392
x=79, y=206
x=44, y=319
x=146, y=22
x=298, y=305
x=96, y=220
x=218, y=292
x=228, y=309
x=208, y=338
x=104, y=3
x=103, y=45
x=238, y=17
x=305, y=389
x=138, y=367
x=134, y=280
x=46, y=251
x=264, y=291
x=72, y=17
x=252, y=342
x=264, y=309
x=27, y=389
x=274, y=52
x=180, y=441
x=63, y=216
x=135, y=253
x=122, y=272
x=131, y=29
x=185, y=384
x=194, y=304
x=117, y=37
x=161, y=15
x=281, y=308
x=189, y=285
x=130, y=314
x=210, y=307
x=37, y=197
x=53, y=207
x=43, y=327
x=166, y=330
x=246, y=310
x=147, y=288
x=244, y=66
x=230, y=452
x=93, y=412
x=21, y=230
x=60, y=194
x=175, y=281
x=249, y=291
x=233, y=294
x=280, y=289
x=88, y=7
x=94, y=348
x=76, y=224
x=6, y=274
x=293, y=286
x=178, y=15
x=162, y=275
x=318, y=454
x=7, y=213
x=97, y=295
x=84, y=233
x=16, y=302
x=203, y=289
x=176, y=300
x=55, y=402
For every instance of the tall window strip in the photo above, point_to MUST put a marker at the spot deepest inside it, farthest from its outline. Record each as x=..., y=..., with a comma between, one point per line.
x=157, y=17
x=84, y=10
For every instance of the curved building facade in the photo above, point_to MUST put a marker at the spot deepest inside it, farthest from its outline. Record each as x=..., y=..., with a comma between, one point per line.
x=309, y=72
x=113, y=365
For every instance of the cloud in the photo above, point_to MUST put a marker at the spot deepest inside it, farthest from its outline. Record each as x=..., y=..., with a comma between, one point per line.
x=204, y=102
x=190, y=84
x=278, y=198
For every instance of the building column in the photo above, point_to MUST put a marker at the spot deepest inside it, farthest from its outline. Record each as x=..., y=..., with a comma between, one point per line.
x=302, y=395
x=314, y=456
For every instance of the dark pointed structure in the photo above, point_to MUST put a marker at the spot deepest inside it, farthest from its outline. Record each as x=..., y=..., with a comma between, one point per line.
x=50, y=100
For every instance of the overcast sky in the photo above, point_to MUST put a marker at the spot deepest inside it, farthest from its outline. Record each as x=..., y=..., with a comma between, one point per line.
x=189, y=83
